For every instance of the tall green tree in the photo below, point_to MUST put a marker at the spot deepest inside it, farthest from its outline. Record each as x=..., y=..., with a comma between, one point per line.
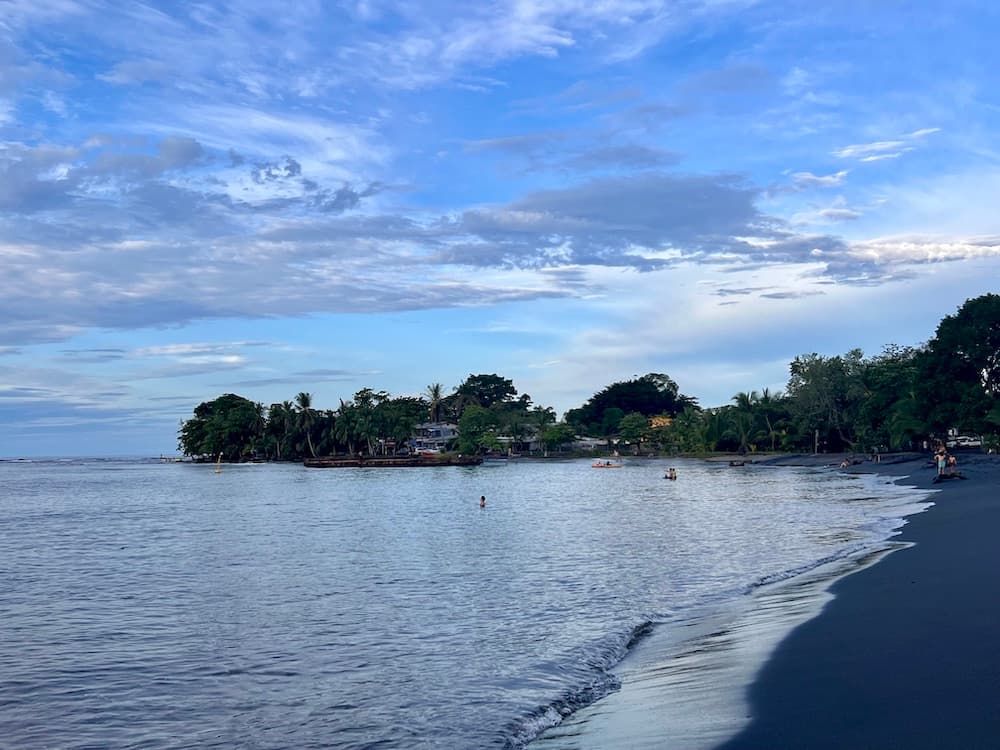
x=487, y=390
x=745, y=420
x=435, y=395
x=344, y=427
x=228, y=425
x=366, y=416
x=305, y=418
x=825, y=396
x=960, y=369
x=889, y=413
x=649, y=395
x=773, y=410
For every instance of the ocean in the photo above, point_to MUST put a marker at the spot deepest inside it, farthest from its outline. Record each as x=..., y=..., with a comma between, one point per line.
x=161, y=605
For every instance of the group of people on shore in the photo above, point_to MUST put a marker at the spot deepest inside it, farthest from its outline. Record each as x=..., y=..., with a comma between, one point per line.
x=946, y=463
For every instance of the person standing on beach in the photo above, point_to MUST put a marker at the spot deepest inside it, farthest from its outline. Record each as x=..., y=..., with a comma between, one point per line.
x=942, y=460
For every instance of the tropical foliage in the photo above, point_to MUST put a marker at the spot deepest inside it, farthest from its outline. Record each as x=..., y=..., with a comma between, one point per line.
x=896, y=399
x=649, y=395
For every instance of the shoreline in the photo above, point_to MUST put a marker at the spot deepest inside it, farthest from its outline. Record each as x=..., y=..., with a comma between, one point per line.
x=684, y=686
x=904, y=653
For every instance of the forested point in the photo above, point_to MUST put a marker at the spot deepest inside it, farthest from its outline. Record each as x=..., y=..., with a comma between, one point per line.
x=895, y=400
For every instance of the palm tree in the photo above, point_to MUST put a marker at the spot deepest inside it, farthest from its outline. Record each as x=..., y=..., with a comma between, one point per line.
x=328, y=434
x=305, y=417
x=769, y=405
x=344, y=426
x=434, y=397
x=258, y=426
x=286, y=425
x=744, y=415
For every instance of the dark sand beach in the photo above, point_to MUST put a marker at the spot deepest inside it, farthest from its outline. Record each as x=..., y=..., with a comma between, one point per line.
x=907, y=653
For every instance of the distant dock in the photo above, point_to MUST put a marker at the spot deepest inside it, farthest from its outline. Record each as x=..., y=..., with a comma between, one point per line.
x=336, y=462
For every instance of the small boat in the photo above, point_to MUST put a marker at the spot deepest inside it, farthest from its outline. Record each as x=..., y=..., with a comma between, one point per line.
x=605, y=465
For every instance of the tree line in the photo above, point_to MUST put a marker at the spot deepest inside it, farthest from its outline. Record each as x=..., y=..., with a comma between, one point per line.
x=484, y=407
x=895, y=400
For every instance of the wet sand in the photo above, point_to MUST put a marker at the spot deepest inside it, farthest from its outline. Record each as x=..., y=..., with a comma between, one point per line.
x=907, y=652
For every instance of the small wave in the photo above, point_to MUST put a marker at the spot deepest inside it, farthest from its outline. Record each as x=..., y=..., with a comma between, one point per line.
x=638, y=633
x=784, y=575
x=603, y=683
x=545, y=717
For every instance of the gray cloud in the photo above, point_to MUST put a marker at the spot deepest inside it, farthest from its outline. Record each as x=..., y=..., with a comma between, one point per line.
x=790, y=295
x=522, y=145
x=840, y=214
x=342, y=199
x=862, y=273
x=652, y=209
x=27, y=184
x=610, y=221
x=25, y=391
x=94, y=355
x=737, y=292
x=172, y=153
x=632, y=157
x=310, y=376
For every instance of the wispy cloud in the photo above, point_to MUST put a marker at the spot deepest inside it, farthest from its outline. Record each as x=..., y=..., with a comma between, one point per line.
x=879, y=150
x=195, y=350
x=840, y=214
x=803, y=180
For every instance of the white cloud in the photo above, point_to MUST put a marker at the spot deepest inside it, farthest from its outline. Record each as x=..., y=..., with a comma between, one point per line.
x=808, y=179
x=924, y=249
x=195, y=349
x=879, y=150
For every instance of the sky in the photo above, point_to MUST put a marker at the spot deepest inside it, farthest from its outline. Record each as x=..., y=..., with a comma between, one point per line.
x=267, y=197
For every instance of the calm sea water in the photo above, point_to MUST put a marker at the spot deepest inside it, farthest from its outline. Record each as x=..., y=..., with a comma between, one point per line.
x=156, y=605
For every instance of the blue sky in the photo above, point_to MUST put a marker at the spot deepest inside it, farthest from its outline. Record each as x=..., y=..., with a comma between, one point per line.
x=267, y=198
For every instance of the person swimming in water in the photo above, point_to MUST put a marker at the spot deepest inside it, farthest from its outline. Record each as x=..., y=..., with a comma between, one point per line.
x=482, y=501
